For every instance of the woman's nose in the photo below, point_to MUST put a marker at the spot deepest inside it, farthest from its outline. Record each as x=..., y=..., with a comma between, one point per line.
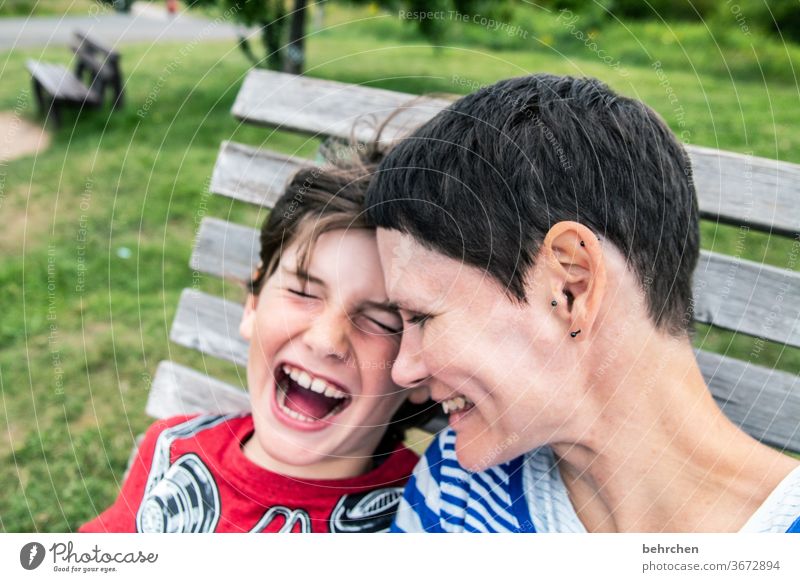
x=327, y=335
x=409, y=368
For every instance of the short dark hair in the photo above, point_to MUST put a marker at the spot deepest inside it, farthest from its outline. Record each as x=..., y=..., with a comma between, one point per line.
x=486, y=178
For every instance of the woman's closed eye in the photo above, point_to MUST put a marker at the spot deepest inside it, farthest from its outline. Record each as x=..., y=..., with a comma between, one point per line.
x=419, y=319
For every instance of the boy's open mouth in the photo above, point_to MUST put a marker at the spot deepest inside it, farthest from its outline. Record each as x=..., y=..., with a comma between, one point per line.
x=307, y=398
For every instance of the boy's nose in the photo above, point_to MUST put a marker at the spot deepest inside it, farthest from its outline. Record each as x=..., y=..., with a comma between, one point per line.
x=409, y=368
x=326, y=336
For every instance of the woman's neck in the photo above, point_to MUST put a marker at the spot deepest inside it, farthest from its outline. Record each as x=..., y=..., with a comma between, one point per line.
x=661, y=455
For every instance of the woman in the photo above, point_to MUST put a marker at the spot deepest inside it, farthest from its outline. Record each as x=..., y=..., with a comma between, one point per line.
x=539, y=238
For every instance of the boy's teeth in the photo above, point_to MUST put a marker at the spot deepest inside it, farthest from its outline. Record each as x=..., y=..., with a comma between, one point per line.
x=331, y=392
x=318, y=385
x=304, y=380
x=288, y=411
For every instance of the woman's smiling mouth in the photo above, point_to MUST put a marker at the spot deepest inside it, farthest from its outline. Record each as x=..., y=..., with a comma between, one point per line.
x=306, y=401
x=456, y=404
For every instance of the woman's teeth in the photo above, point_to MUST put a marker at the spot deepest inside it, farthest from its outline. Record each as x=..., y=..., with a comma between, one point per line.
x=456, y=404
x=314, y=384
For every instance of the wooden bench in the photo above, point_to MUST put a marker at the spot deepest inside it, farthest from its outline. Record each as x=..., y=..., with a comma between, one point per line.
x=56, y=86
x=730, y=293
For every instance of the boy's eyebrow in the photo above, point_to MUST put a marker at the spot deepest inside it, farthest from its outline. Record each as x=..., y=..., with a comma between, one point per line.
x=389, y=306
x=305, y=276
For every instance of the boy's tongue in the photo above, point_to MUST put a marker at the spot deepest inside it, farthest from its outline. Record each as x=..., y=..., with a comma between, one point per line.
x=308, y=403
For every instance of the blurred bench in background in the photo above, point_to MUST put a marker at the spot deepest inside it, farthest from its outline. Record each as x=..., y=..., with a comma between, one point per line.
x=56, y=86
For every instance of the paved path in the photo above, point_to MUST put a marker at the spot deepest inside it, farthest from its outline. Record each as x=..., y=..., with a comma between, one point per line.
x=148, y=22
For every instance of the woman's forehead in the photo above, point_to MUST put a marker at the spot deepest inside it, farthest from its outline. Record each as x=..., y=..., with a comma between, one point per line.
x=420, y=279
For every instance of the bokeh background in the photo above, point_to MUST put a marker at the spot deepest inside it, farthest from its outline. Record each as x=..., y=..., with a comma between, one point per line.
x=97, y=218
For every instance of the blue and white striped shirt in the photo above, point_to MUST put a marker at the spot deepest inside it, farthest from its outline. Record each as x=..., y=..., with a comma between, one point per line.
x=528, y=495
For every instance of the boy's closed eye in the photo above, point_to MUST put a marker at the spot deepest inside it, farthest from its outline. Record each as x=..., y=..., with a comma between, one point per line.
x=302, y=284
x=384, y=319
x=301, y=292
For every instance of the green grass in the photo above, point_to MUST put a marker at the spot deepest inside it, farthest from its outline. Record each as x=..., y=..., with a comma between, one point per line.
x=52, y=7
x=721, y=46
x=139, y=183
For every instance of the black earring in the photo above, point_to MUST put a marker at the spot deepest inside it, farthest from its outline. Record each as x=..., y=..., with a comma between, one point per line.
x=554, y=303
x=575, y=333
x=583, y=244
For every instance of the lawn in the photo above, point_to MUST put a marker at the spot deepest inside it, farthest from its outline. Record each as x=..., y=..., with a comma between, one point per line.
x=98, y=231
x=22, y=8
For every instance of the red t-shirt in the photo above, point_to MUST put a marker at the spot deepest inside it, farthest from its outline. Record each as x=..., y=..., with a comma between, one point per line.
x=190, y=475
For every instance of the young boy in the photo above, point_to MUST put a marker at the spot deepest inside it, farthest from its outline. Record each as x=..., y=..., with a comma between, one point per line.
x=322, y=450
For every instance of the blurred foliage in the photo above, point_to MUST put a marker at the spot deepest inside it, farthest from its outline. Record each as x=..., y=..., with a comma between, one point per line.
x=270, y=16
x=780, y=18
x=119, y=5
x=727, y=44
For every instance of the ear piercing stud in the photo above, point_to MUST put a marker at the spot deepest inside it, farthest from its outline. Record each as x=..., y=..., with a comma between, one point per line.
x=575, y=333
x=583, y=244
x=554, y=303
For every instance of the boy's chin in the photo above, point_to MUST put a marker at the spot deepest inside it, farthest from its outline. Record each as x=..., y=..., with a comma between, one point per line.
x=294, y=457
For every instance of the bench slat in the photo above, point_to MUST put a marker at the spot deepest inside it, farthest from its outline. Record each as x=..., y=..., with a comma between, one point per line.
x=251, y=174
x=178, y=390
x=748, y=297
x=210, y=325
x=765, y=403
x=321, y=107
x=734, y=294
x=732, y=188
x=225, y=249
x=746, y=190
x=61, y=83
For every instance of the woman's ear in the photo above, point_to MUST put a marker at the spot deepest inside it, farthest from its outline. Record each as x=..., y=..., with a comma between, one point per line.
x=419, y=395
x=248, y=322
x=577, y=274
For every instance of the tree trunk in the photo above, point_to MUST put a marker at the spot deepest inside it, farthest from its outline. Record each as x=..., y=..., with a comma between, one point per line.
x=271, y=39
x=295, y=50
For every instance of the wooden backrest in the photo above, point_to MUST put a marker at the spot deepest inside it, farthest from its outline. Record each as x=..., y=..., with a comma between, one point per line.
x=729, y=292
x=85, y=44
x=100, y=62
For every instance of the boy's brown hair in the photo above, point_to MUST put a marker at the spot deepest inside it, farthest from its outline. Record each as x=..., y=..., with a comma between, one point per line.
x=317, y=199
